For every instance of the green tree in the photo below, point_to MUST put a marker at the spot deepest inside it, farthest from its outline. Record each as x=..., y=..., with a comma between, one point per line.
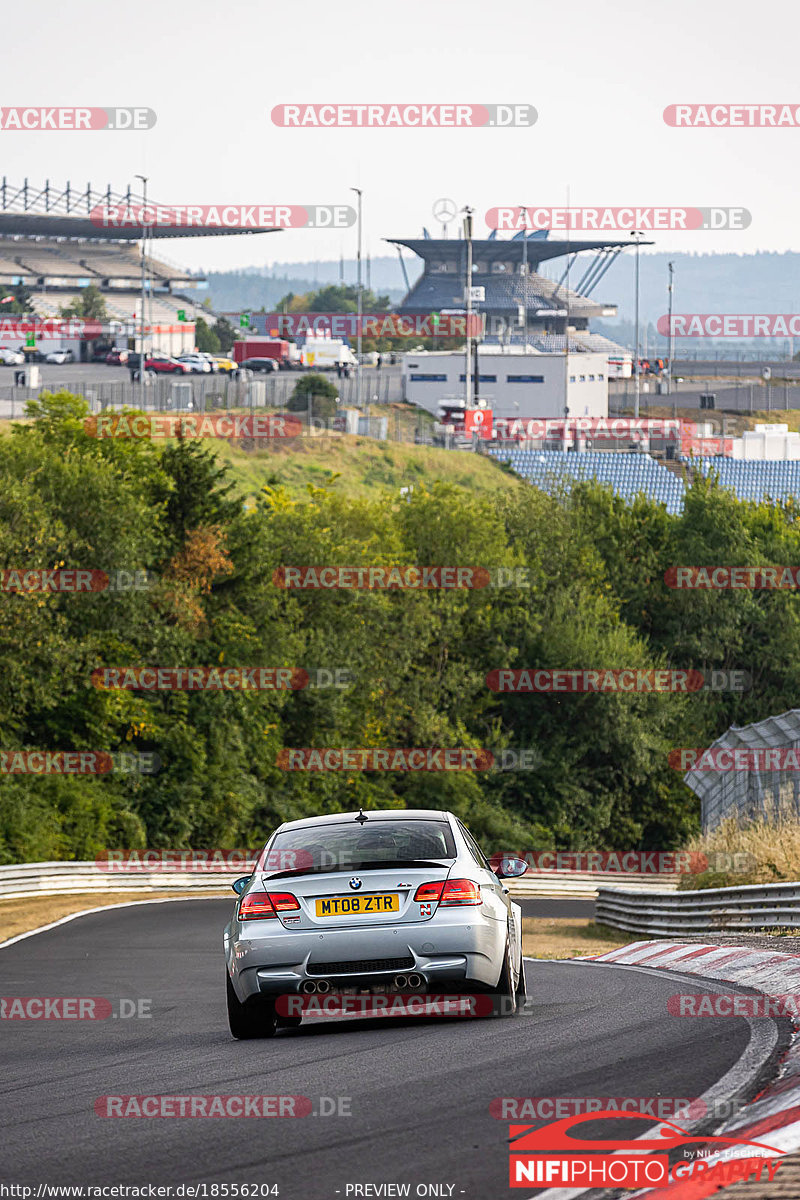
x=206, y=338
x=20, y=302
x=226, y=335
x=90, y=305
x=323, y=393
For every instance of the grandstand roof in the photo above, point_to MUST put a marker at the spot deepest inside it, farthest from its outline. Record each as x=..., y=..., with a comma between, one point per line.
x=535, y=250
x=66, y=212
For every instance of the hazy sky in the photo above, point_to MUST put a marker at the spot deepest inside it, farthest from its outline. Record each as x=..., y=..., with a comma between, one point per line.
x=599, y=74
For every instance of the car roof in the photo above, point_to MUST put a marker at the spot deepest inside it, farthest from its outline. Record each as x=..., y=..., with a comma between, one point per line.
x=372, y=814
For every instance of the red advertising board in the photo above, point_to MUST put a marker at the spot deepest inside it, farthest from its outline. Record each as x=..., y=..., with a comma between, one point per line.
x=478, y=420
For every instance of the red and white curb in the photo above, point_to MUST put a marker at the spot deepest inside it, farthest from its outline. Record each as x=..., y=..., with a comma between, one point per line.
x=776, y=1111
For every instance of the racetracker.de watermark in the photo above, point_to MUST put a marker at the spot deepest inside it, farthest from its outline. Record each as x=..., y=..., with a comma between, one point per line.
x=78, y=762
x=201, y=861
x=73, y=1008
x=200, y=679
x=403, y=116
x=74, y=579
x=370, y=758
x=194, y=425
x=223, y=216
x=374, y=325
x=396, y=1004
x=76, y=119
x=733, y=325
x=203, y=1106
x=398, y=578
x=615, y=680
x=732, y=116
x=590, y=220
x=725, y=578
x=552, y=1108
x=735, y=758
x=699, y=1004
x=620, y=862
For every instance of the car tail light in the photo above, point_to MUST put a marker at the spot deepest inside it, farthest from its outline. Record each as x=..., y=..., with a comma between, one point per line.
x=262, y=906
x=449, y=892
x=283, y=901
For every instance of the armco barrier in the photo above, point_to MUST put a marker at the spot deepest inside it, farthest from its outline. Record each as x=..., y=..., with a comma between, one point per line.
x=69, y=878
x=732, y=909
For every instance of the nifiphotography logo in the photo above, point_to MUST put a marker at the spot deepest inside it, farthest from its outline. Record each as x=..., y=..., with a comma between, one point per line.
x=556, y=1156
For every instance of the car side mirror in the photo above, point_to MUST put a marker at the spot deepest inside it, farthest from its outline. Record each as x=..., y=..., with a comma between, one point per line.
x=510, y=868
x=241, y=883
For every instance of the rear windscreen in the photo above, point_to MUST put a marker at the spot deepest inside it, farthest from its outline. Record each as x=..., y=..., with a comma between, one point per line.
x=334, y=846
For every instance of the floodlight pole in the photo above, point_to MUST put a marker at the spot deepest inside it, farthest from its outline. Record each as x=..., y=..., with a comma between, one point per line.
x=141, y=347
x=360, y=303
x=670, y=331
x=635, y=234
x=524, y=277
x=468, y=297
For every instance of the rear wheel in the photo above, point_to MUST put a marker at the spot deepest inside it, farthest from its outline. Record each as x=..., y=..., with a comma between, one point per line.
x=522, y=984
x=505, y=992
x=253, y=1019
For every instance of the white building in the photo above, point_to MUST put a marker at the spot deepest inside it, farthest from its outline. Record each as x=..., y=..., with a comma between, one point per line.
x=767, y=442
x=513, y=383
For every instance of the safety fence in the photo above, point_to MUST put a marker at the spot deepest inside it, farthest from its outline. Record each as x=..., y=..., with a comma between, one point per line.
x=735, y=909
x=19, y=880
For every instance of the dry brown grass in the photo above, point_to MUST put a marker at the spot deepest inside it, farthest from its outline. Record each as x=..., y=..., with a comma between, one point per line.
x=766, y=851
x=20, y=916
x=557, y=937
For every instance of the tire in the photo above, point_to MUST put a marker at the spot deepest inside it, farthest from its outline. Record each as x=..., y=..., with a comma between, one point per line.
x=178, y=371
x=504, y=993
x=522, y=984
x=253, y=1019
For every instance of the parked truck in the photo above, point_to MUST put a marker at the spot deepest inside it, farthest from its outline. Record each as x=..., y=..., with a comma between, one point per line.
x=285, y=353
x=325, y=354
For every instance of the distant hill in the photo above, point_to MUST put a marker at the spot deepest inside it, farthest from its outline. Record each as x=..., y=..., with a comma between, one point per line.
x=704, y=283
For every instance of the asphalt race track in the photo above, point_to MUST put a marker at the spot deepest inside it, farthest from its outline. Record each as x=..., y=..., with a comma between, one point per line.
x=419, y=1091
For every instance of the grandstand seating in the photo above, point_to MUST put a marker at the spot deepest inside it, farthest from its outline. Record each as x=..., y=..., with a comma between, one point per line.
x=755, y=479
x=628, y=475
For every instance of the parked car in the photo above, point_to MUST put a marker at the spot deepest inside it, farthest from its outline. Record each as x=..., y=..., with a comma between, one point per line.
x=11, y=358
x=164, y=364
x=60, y=356
x=117, y=358
x=226, y=365
x=100, y=353
x=32, y=354
x=212, y=362
x=196, y=363
x=269, y=365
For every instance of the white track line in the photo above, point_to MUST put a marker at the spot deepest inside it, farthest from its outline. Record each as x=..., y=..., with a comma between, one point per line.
x=85, y=912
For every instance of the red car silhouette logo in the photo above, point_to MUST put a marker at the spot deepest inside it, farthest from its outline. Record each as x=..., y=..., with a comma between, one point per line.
x=556, y=1137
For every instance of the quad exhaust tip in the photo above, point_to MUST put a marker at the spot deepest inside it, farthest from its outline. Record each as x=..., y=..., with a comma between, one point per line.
x=415, y=981
x=323, y=986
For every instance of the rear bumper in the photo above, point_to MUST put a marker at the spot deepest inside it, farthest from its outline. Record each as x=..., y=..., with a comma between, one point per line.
x=450, y=950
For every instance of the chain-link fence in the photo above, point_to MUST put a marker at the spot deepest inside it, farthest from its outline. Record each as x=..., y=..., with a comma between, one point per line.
x=204, y=393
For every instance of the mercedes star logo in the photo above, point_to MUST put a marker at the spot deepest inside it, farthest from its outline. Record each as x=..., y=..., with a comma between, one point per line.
x=444, y=210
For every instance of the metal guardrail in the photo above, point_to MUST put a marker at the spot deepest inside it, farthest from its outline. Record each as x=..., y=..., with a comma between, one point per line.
x=736, y=909
x=19, y=880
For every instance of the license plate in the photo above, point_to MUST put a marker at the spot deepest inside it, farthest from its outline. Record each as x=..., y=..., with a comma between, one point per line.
x=372, y=904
